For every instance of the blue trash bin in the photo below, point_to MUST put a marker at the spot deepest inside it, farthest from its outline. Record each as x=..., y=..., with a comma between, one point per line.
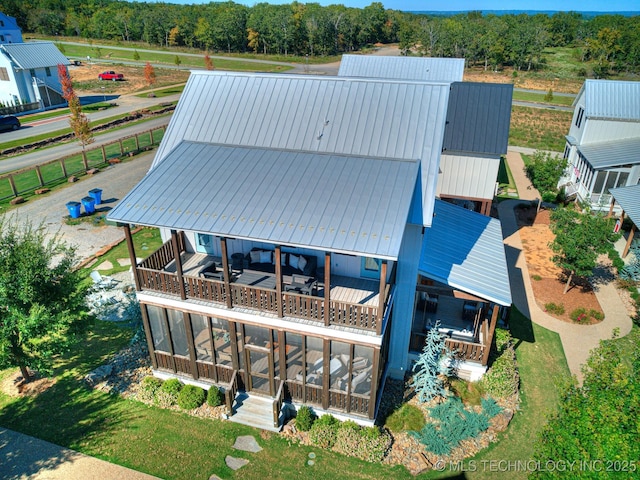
x=89, y=205
x=96, y=194
x=74, y=209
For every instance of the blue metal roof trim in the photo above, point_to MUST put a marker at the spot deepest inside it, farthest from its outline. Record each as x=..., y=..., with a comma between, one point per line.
x=35, y=55
x=402, y=68
x=629, y=199
x=335, y=203
x=465, y=250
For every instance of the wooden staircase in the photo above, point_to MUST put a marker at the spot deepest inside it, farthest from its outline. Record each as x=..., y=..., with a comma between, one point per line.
x=255, y=411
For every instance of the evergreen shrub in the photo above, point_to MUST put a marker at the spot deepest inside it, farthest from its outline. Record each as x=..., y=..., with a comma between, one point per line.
x=190, y=397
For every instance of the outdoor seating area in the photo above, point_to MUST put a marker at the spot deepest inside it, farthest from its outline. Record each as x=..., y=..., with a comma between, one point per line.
x=457, y=317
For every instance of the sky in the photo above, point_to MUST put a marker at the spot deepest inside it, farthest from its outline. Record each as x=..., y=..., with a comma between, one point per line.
x=462, y=5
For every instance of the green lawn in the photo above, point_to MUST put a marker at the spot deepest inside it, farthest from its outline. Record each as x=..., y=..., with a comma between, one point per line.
x=146, y=241
x=539, y=98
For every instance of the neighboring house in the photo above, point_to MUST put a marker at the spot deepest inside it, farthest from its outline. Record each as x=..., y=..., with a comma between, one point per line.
x=603, y=144
x=305, y=252
x=477, y=125
x=9, y=30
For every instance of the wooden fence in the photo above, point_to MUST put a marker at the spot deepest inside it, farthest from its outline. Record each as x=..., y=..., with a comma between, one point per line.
x=28, y=180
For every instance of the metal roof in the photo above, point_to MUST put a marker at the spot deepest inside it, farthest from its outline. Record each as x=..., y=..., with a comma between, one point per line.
x=464, y=250
x=629, y=199
x=611, y=154
x=402, y=68
x=336, y=203
x=344, y=116
x=35, y=55
x=468, y=176
x=611, y=99
x=478, y=118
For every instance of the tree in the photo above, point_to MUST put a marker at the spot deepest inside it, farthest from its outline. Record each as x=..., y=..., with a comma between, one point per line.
x=579, y=240
x=43, y=308
x=149, y=74
x=136, y=55
x=177, y=60
x=433, y=364
x=544, y=170
x=597, y=422
x=77, y=120
x=208, y=63
x=66, y=83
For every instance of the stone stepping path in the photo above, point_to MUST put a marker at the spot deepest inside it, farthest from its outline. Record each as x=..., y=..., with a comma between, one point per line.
x=235, y=463
x=106, y=265
x=247, y=443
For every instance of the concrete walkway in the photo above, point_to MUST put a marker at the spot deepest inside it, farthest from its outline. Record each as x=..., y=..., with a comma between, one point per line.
x=26, y=457
x=577, y=340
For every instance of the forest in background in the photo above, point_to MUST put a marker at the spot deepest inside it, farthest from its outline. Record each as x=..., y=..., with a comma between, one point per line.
x=606, y=44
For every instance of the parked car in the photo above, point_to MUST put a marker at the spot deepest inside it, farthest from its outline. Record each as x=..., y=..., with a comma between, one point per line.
x=9, y=122
x=111, y=75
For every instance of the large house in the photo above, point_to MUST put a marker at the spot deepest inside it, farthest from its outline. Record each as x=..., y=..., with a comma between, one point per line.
x=305, y=252
x=476, y=133
x=28, y=71
x=603, y=144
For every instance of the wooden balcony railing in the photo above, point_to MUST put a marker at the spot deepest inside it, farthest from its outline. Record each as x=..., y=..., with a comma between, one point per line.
x=230, y=393
x=277, y=404
x=471, y=351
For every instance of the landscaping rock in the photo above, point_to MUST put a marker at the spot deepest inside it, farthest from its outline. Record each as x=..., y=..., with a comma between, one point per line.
x=72, y=179
x=114, y=161
x=247, y=443
x=41, y=191
x=17, y=201
x=92, y=171
x=98, y=375
x=214, y=477
x=235, y=463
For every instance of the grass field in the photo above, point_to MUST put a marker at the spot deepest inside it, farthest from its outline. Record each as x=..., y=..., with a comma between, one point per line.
x=539, y=128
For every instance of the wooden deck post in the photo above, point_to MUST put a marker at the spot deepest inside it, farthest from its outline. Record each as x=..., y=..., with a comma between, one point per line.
x=374, y=383
x=280, y=298
x=176, y=254
x=132, y=255
x=326, y=359
x=192, y=346
x=492, y=329
x=225, y=269
x=613, y=203
x=327, y=289
x=629, y=240
x=381, y=299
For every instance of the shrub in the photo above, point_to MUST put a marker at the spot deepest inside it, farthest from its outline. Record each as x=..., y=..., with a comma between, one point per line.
x=148, y=389
x=407, y=417
x=557, y=309
x=167, y=395
x=366, y=443
x=469, y=392
x=490, y=407
x=502, y=379
x=579, y=315
x=190, y=397
x=324, y=431
x=304, y=418
x=537, y=278
x=214, y=396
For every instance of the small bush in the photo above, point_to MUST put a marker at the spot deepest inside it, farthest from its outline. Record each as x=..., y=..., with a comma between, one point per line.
x=214, y=396
x=557, y=309
x=366, y=443
x=148, y=389
x=579, y=315
x=537, y=278
x=304, y=418
x=490, y=407
x=324, y=431
x=502, y=378
x=407, y=417
x=190, y=397
x=469, y=392
x=596, y=315
x=167, y=395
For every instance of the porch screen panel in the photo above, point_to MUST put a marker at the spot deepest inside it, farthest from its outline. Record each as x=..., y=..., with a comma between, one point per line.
x=362, y=370
x=178, y=333
x=221, y=341
x=294, y=356
x=158, y=332
x=622, y=180
x=339, y=365
x=258, y=336
x=201, y=340
x=599, y=183
x=314, y=361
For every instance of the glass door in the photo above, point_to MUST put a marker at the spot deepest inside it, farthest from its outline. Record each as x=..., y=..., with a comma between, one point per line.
x=260, y=370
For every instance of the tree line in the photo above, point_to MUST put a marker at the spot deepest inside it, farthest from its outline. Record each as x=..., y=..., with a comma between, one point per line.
x=610, y=42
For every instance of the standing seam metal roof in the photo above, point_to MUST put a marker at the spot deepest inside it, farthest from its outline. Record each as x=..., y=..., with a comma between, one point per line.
x=611, y=154
x=336, y=203
x=629, y=200
x=35, y=55
x=402, y=68
x=465, y=250
x=478, y=118
x=612, y=99
x=344, y=116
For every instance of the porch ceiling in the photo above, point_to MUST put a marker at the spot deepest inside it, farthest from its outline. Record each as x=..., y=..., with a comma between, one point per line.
x=465, y=250
x=328, y=202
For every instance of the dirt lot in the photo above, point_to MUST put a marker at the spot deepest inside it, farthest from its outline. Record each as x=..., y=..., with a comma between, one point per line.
x=536, y=237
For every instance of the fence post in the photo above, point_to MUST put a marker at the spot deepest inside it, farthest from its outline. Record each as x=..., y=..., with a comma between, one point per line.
x=121, y=150
x=13, y=186
x=84, y=160
x=39, y=174
x=64, y=170
x=137, y=142
x=150, y=137
x=104, y=154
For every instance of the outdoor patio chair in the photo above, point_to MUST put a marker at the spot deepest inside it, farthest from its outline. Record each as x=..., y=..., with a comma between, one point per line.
x=102, y=282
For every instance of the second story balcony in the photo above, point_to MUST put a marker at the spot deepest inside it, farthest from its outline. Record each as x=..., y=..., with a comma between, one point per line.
x=271, y=287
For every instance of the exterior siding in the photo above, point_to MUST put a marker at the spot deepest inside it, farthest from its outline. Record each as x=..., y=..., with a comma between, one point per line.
x=596, y=130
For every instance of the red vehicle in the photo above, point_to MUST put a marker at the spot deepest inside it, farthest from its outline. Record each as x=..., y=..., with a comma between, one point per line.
x=111, y=75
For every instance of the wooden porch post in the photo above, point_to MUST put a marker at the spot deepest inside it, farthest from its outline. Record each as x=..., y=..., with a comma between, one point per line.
x=280, y=299
x=381, y=297
x=176, y=254
x=613, y=203
x=225, y=270
x=147, y=333
x=186, y=318
x=492, y=328
x=629, y=240
x=327, y=289
x=374, y=383
x=326, y=359
x=132, y=255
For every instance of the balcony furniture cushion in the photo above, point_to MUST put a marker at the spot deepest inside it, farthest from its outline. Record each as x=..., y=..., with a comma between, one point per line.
x=255, y=256
x=266, y=256
x=293, y=261
x=302, y=262
x=254, y=263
